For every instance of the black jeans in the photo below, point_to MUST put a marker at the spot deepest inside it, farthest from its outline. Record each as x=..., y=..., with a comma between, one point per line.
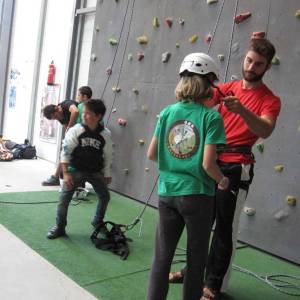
x=221, y=246
x=79, y=178
x=195, y=212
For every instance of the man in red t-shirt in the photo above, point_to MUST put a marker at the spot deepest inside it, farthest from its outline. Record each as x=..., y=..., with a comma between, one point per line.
x=249, y=110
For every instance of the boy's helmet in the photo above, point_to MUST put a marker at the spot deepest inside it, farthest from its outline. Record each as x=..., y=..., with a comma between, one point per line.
x=199, y=63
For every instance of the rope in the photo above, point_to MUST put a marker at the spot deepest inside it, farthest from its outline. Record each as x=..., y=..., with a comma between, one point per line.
x=107, y=79
x=231, y=38
x=216, y=25
x=125, y=48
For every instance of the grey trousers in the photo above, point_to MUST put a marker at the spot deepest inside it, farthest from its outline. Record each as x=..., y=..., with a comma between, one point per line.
x=195, y=212
x=100, y=187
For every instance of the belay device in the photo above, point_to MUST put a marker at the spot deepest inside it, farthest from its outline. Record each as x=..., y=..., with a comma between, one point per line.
x=111, y=237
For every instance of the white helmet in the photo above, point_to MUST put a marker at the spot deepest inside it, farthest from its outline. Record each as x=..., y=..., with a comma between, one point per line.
x=199, y=63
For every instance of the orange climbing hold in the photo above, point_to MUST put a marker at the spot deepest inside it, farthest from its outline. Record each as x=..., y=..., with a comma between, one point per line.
x=242, y=17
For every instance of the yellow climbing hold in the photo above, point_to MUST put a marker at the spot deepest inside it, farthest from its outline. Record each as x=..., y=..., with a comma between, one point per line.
x=279, y=168
x=143, y=40
x=147, y=169
x=141, y=142
x=193, y=39
x=116, y=89
x=297, y=13
x=155, y=22
x=113, y=41
x=291, y=200
x=211, y=1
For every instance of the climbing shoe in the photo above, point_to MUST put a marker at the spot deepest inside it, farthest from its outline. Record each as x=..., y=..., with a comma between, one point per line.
x=51, y=181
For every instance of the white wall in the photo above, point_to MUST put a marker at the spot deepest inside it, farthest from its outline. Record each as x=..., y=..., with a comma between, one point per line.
x=22, y=55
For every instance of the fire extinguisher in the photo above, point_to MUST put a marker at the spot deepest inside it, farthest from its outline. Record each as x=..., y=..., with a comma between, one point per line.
x=51, y=74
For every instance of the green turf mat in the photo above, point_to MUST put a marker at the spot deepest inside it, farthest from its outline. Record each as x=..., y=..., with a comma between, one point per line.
x=104, y=274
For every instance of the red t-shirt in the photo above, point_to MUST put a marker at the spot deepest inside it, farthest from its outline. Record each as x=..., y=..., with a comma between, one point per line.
x=260, y=101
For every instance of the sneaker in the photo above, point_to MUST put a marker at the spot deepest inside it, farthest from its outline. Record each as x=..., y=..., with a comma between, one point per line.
x=51, y=181
x=56, y=232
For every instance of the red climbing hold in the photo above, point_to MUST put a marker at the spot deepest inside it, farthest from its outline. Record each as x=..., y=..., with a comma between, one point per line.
x=140, y=56
x=258, y=35
x=242, y=17
x=208, y=38
x=122, y=122
x=108, y=71
x=169, y=22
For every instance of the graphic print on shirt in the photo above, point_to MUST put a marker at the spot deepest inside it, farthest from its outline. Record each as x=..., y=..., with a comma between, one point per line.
x=183, y=139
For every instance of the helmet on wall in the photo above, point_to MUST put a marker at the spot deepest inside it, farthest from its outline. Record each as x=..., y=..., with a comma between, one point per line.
x=199, y=63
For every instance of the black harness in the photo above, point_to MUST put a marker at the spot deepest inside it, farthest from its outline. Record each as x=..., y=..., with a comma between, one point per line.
x=242, y=149
x=111, y=237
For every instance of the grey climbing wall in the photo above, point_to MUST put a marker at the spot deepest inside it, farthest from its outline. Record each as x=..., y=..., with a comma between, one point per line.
x=136, y=90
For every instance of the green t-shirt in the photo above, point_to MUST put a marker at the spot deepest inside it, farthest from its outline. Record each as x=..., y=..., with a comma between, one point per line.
x=182, y=131
x=80, y=111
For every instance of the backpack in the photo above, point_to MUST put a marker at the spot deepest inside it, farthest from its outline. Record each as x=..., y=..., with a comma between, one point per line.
x=25, y=151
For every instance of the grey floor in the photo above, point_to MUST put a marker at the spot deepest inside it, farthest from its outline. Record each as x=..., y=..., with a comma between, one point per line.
x=36, y=278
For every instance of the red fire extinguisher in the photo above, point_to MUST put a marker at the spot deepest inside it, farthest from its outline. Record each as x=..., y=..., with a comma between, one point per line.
x=51, y=74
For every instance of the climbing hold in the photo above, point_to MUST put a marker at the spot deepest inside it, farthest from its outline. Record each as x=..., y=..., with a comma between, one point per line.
x=141, y=142
x=157, y=116
x=144, y=108
x=208, y=38
x=116, y=89
x=114, y=110
x=291, y=200
x=242, y=17
x=143, y=40
x=140, y=56
x=113, y=41
x=250, y=211
x=97, y=28
x=221, y=57
x=177, y=45
x=279, y=168
x=136, y=91
x=169, y=22
x=297, y=13
x=258, y=35
x=193, y=39
x=211, y=1
x=281, y=215
x=260, y=147
x=126, y=171
x=147, y=169
x=233, y=77
x=122, y=122
x=165, y=57
x=275, y=61
x=155, y=22
x=93, y=57
x=108, y=71
x=181, y=21
x=130, y=56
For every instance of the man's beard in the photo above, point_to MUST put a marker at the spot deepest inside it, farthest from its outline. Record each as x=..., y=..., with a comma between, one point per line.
x=251, y=76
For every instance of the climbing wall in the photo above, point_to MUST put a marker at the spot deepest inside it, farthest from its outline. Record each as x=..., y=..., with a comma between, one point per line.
x=137, y=50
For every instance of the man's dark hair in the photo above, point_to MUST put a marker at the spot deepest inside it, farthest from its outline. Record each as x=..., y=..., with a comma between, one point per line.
x=264, y=48
x=49, y=110
x=86, y=90
x=96, y=105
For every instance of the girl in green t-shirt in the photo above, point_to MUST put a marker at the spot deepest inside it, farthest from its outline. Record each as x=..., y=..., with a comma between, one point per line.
x=184, y=147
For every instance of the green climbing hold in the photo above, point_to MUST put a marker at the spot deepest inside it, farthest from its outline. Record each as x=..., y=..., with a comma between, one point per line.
x=275, y=61
x=260, y=147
